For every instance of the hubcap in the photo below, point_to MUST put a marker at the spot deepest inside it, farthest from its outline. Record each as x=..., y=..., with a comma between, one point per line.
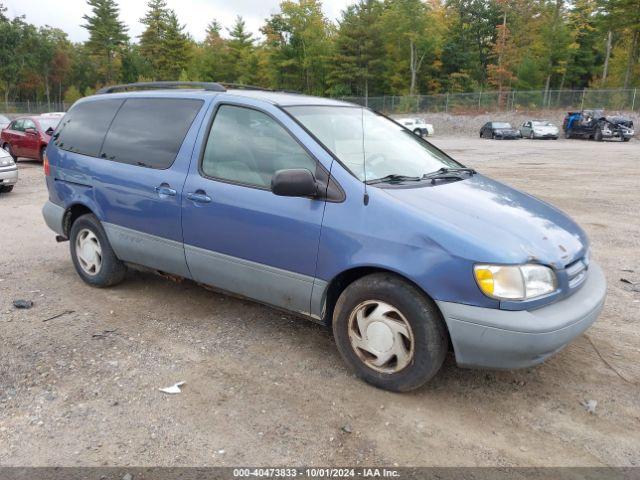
x=88, y=252
x=381, y=336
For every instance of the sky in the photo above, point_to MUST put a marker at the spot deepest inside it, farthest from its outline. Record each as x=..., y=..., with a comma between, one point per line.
x=195, y=14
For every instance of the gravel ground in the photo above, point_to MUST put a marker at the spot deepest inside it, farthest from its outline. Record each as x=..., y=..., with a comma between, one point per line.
x=265, y=388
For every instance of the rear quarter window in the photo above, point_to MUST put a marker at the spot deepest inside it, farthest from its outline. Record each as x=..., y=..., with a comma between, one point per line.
x=149, y=131
x=84, y=127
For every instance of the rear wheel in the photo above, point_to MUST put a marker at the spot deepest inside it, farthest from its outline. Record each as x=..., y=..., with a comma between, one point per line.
x=626, y=139
x=41, y=154
x=567, y=133
x=531, y=136
x=92, y=255
x=389, y=333
x=418, y=132
x=597, y=136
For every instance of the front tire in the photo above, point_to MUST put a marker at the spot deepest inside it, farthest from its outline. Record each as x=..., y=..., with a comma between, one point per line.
x=41, y=154
x=6, y=188
x=92, y=255
x=532, y=136
x=389, y=332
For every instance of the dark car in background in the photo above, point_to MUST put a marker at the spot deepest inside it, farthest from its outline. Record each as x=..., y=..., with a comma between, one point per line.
x=28, y=137
x=595, y=125
x=501, y=130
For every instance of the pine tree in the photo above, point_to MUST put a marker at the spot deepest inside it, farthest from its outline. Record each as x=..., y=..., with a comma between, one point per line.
x=155, y=20
x=106, y=32
x=358, y=62
x=175, y=49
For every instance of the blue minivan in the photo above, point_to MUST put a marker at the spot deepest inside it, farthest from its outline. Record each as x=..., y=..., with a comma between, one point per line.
x=324, y=209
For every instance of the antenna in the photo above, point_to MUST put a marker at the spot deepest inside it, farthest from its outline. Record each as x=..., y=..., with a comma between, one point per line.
x=364, y=158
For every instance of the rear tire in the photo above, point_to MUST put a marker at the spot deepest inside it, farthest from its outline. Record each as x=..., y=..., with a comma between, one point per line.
x=531, y=135
x=396, y=317
x=41, y=154
x=418, y=132
x=626, y=139
x=567, y=134
x=92, y=255
x=597, y=136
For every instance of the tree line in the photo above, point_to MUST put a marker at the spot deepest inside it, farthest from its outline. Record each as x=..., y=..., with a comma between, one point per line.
x=376, y=47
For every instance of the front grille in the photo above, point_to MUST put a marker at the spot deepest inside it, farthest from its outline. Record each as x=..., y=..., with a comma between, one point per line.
x=576, y=272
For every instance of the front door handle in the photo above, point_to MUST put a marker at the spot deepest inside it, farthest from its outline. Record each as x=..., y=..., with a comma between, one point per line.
x=199, y=196
x=164, y=190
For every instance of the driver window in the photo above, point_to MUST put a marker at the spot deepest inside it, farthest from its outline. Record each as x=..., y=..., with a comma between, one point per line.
x=247, y=146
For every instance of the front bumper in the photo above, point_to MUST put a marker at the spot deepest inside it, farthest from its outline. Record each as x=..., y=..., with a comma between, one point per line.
x=491, y=338
x=8, y=175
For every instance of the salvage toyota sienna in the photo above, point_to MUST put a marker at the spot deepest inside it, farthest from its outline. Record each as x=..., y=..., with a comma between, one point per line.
x=324, y=209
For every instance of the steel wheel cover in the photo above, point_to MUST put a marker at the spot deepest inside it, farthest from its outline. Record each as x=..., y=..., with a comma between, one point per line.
x=381, y=336
x=88, y=252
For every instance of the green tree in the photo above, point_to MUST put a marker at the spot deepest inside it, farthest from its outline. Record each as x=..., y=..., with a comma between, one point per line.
x=151, y=39
x=298, y=41
x=358, y=61
x=107, y=34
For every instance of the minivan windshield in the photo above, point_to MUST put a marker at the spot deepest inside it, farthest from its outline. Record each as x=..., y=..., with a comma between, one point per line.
x=368, y=144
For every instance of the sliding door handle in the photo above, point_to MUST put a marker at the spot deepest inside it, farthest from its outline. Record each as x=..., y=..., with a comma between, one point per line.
x=164, y=190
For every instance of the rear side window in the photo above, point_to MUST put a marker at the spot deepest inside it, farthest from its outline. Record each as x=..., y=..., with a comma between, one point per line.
x=17, y=125
x=85, y=126
x=149, y=131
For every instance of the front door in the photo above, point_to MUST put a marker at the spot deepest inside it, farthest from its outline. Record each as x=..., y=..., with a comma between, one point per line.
x=238, y=235
x=30, y=143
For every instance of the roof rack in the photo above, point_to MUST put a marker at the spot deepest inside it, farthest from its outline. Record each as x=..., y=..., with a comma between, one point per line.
x=209, y=86
x=242, y=86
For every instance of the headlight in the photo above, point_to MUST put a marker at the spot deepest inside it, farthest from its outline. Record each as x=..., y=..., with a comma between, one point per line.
x=515, y=282
x=6, y=161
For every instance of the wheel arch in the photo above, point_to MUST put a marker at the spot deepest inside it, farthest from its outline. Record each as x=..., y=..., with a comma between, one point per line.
x=341, y=281
x=72, y=213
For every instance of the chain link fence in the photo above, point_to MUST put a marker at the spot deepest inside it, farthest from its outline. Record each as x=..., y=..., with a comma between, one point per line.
x=34, y=108
x=506, y=101
x=456, y=103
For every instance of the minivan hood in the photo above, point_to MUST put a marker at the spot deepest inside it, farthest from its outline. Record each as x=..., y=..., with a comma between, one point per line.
x=486, y=221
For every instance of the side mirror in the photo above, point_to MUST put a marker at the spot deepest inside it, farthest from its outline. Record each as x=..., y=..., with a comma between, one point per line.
x=30, y=131
x=294, y=182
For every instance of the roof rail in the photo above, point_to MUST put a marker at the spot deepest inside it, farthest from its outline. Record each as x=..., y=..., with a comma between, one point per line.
x=242, y=86
x=209, y=86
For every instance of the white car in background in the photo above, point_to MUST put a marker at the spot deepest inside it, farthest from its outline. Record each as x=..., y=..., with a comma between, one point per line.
x=539, y=129
x=8, y=172
x=417, y=126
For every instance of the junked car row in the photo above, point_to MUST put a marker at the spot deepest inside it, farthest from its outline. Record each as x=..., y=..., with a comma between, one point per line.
x=586, y=124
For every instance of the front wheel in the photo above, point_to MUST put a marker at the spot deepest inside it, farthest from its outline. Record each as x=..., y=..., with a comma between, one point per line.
x=92, y=255
x=41, y=154
x=389, y=332
x=626, y=139
x=567, y=133
x=6, y=188
x=531, y=136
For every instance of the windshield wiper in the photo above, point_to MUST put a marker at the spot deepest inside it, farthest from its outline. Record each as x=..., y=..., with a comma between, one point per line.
x=393, y=178
x=446, y=172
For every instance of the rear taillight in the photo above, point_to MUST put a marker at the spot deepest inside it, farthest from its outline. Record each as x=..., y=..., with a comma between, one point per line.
x=45, y=165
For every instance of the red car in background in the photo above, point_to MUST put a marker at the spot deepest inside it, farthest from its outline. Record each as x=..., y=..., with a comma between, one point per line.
x=28, y=137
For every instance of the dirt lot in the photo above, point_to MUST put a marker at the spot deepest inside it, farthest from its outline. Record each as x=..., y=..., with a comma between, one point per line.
x=264, y=388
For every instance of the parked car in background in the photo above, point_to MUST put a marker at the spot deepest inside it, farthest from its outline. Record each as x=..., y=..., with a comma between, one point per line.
x=539, y=129
x=4, y=122
x=28, y=137
x=54, y=114
x=501, y=130
x=327, y=210
x=8, y=172
x=595, y=125
x=417, y=126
